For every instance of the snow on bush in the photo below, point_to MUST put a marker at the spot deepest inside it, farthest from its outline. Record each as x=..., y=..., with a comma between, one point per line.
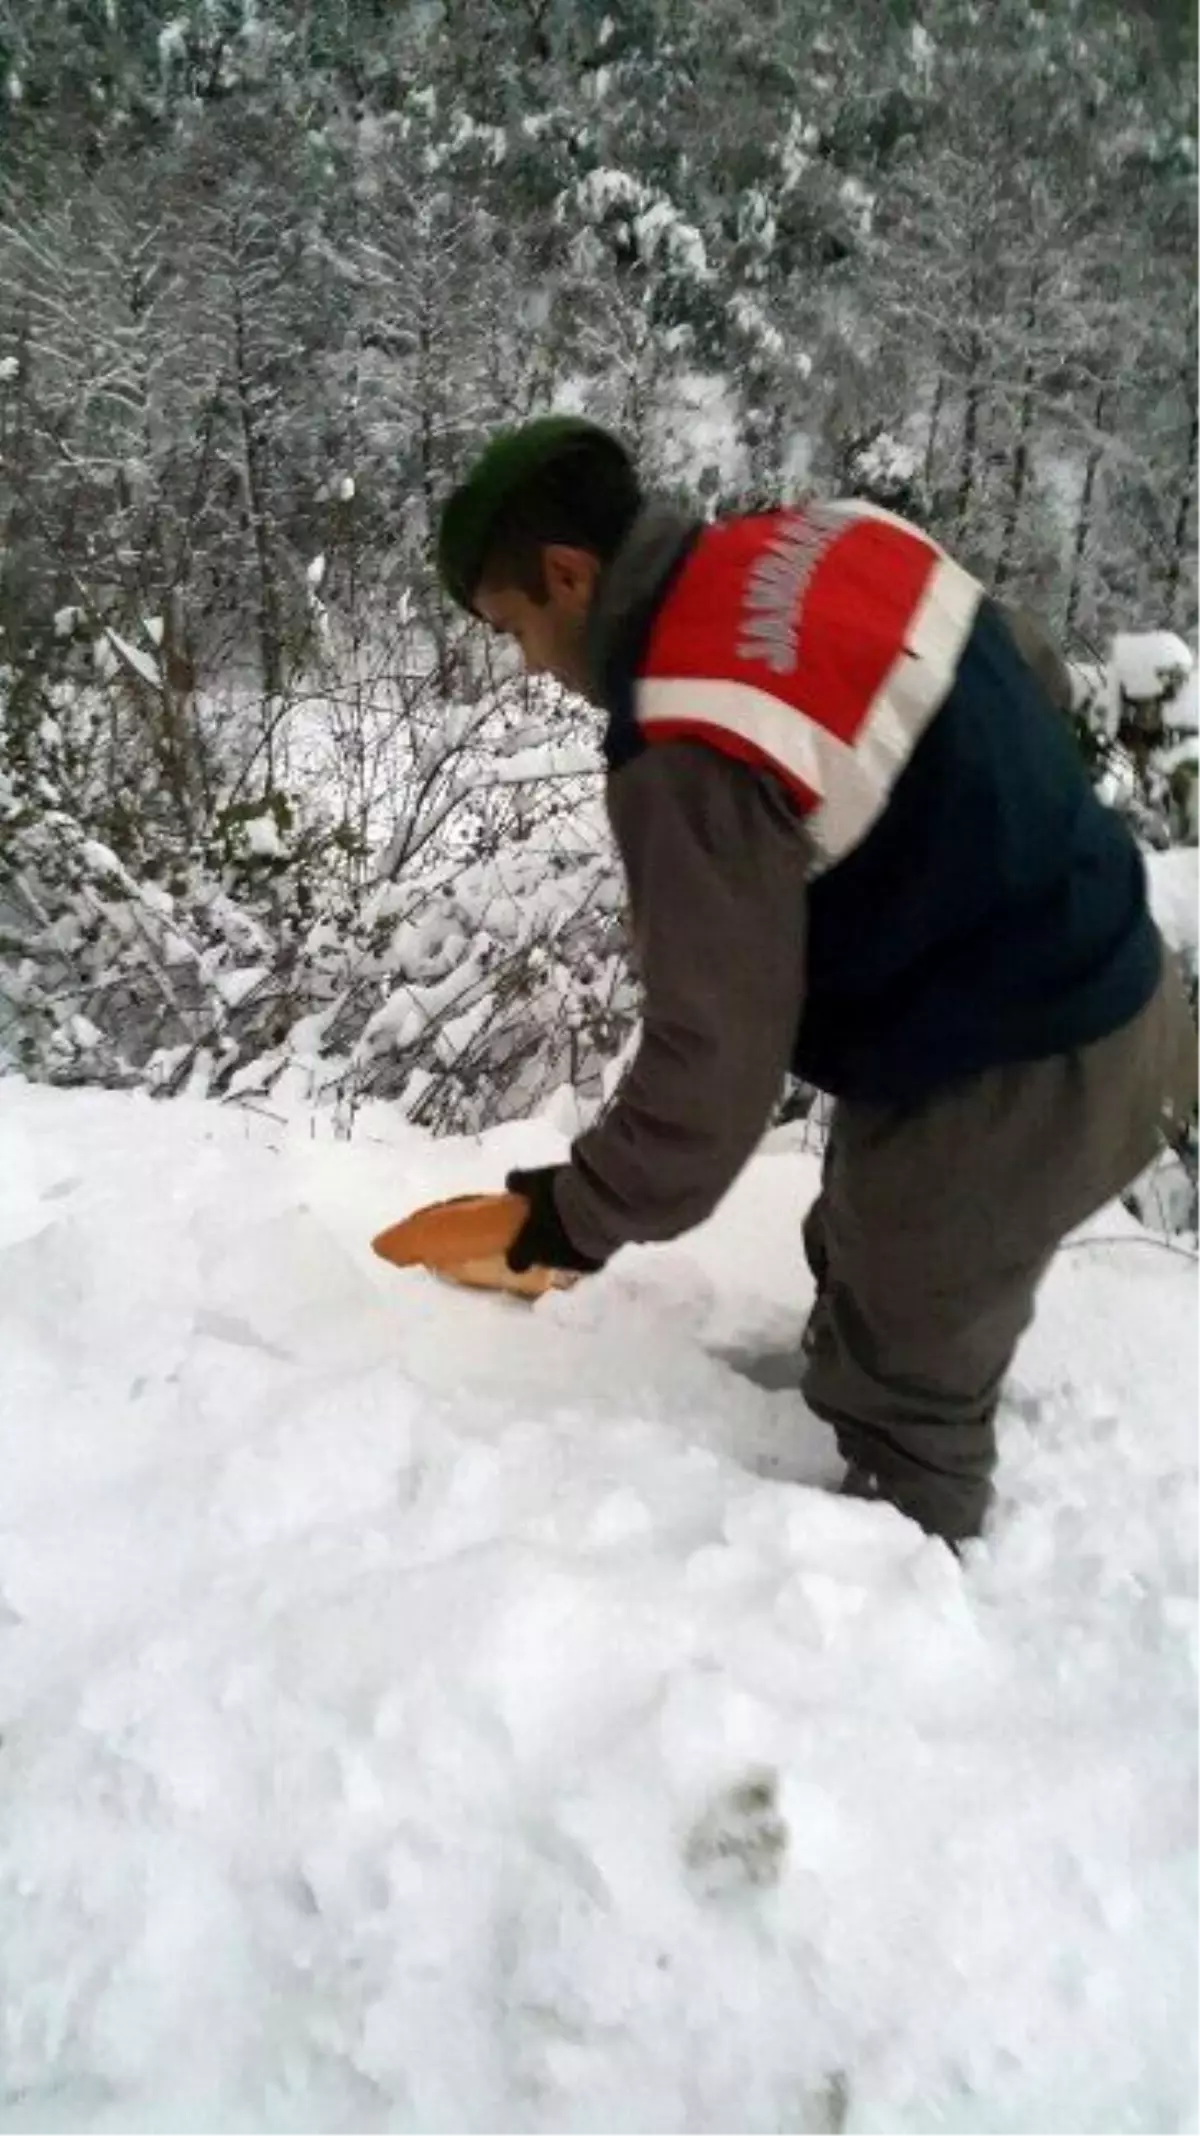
x=1136, y=717
x=1150, y=667
x=459, y=950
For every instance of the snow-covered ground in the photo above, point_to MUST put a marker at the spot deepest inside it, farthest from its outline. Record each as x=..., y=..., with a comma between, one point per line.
x=1172, y=879
x=421, y=1712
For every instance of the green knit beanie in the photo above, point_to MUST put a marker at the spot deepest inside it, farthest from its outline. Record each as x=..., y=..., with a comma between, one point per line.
x=513, y=458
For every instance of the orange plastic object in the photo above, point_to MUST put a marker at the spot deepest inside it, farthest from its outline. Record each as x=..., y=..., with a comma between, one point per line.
x=465, y=1240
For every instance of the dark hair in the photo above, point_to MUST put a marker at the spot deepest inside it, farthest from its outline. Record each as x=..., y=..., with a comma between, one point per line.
x=587, y=497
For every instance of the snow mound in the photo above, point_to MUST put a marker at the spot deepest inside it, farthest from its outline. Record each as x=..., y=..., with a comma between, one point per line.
x=422, y=1712
x=1149, y=664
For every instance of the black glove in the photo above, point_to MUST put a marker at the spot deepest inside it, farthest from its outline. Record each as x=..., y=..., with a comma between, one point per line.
x=541, y=1241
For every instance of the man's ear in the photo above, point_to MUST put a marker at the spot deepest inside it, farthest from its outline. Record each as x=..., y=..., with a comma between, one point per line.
x=570, y=573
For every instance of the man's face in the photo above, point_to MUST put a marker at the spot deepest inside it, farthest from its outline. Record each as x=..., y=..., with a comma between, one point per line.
x=550, y=633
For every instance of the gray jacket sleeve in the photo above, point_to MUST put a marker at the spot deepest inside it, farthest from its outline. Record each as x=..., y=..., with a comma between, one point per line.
x=1038, y=651
x=716, y=861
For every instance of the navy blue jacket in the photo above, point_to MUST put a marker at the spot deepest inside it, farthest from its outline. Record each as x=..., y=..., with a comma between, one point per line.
x=992, y=910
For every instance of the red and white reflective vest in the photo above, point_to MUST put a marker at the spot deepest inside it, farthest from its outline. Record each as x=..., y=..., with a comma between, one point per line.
x=816, y=643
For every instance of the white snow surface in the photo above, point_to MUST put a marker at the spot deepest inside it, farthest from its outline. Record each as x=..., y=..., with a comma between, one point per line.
x=1174, y=881
x=423, y=1712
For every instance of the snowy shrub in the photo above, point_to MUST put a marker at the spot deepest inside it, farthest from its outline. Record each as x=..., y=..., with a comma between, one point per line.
x=459, y=950
x=886, y=472
x=1135, y=716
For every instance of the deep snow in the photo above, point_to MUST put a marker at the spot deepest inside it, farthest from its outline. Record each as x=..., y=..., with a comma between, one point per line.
x=422, y=1712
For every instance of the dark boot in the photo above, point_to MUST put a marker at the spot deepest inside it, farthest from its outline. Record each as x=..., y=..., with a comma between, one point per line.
x=952, y=1525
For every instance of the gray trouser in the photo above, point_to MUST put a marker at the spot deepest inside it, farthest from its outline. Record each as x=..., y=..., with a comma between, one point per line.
x=933, y=1229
